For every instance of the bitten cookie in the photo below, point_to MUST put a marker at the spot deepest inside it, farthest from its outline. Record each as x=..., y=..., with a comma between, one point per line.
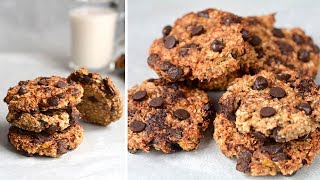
x=279, y=49
x=166, y=116
x=282, y=106
x=204, y=47
x=43, y=93
x=260, y=156
x=43, y=144
x=101, y=103
x=49, y=121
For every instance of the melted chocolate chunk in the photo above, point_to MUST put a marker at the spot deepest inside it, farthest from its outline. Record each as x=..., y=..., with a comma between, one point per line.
x=305, y=107
x=243, y=161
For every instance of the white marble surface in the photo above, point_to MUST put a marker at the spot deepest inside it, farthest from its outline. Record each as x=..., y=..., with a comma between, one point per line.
x=145, y=22
x=34, y=42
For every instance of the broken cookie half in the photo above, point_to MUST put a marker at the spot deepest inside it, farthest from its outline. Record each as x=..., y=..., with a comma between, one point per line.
x=101, y=103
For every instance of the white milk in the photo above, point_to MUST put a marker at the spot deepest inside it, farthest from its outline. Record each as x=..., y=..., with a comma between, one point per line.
x=92, y=36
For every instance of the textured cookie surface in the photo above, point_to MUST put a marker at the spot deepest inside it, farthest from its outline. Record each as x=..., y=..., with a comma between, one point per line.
x=101, y=103
x=203, y=46
x=280, y=49
x=282, y=106
x=43, y=144
x=166, y=116
x=258, y=156
x=49, y=121
x=43, y=93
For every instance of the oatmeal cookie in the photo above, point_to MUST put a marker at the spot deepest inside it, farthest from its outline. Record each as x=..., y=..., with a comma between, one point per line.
x=283, y=106
x=167, y=116
x=49, y=121
x=43, y=93
x=43, y=144
x=101, y=103
x=258, y=155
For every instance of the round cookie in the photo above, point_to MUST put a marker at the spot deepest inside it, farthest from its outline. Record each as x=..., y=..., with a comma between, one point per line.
x=49, y=121
x=43, y=93
x=279, y=49
x=205, y=46
x=43, y=144
x=259, y=156
x=282, y=106
x=166, y=116
x=101, y=102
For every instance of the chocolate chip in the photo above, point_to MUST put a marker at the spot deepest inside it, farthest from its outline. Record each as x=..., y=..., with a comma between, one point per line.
x=166, y=30
x=74, y=115
x=75, y=91
x=204, y=14
x=153, y=59
x=260, y=83
x=283, y=76
x=107, y=88
x=196, y=31
x=243, y=161
x=315, y=48
x=22, y=83
x=284, y=47
x=279, y=157
x=260, y=52
x=181, y=114
x=86, y=80
x=255, y=40
x=305, y=107
x=297, y=38
x=230, y=19
x=156, y=102
x=139, y=95
x=62, y=146
x=137, y=126
x=184, y=50
x=245, y=34
x=217, y=45
x=277, y=92
x=22, y=90
x=267, y=111
x=61, y=84
x=275, y=135
x=93, y=99
x=61, y=95
x=43, y=82
x=304, y=85
x=261, y=137
x=175, y=73
x=230, y=116
x=304, y=55
x=277, y=33
x=52, y=129
x=273, y=148
x=53, y=101
x=170, y=42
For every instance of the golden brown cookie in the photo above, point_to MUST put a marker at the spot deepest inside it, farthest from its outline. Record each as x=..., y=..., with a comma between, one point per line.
x=260, y=156
x=43, y=93
x=282, y=106
x=101, y=103
x=166, y=116
x=43, y=144
x=49, y=121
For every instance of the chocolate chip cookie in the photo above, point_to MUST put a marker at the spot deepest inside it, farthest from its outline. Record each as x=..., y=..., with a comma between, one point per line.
x=280, y=49
x=49, y=121
x=167, y=116
x=258, y=155
x=205, y=47
x=43, y=144
x=101, y=103
x=43, y=93
x=283, y=106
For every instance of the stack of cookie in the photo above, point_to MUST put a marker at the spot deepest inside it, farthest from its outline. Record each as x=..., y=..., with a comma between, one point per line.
x=43, y=116
x=270, y=112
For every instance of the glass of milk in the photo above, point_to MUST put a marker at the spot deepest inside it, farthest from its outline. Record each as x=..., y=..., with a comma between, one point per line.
x=93, y=26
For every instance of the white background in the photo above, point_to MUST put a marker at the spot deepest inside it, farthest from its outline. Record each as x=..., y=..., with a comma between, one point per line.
x=146, y=18
x=34, y=41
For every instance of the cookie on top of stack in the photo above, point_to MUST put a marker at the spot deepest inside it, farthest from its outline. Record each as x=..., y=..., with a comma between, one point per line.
x=43, y=116
x=270, y=112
